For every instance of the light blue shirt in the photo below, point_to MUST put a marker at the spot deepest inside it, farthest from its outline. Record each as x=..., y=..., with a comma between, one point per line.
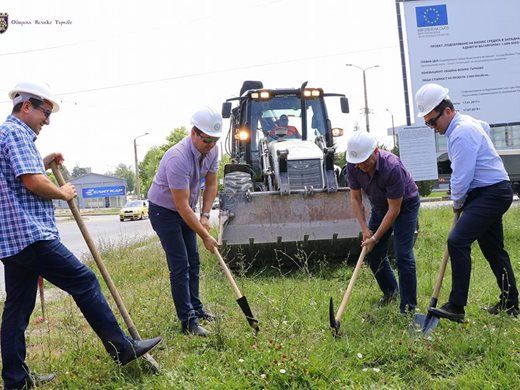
x=474, y=161
x=181, y=167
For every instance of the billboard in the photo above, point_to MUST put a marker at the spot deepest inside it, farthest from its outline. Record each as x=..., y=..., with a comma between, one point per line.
x=472, y=47
x=100, y=192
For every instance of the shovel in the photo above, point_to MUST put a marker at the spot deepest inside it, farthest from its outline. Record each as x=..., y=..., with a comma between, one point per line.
x=427, y=323
x=241, y=300
x=104, y=272
x=41, y=287
x=336, y=320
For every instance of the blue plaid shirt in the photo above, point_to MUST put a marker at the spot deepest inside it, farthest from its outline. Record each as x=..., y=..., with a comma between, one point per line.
x=24, y=216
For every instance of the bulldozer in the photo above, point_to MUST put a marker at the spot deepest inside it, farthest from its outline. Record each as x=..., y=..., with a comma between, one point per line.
x=280, y=190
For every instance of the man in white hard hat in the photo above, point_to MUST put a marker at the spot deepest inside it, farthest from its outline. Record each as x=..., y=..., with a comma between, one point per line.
x=394, y=198
x=30, y=244
x=172, y=198
x=481, y=190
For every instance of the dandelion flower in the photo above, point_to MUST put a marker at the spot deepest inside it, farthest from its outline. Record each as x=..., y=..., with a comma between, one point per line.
x=359, y=355
x=282, y=371
x=241, y=360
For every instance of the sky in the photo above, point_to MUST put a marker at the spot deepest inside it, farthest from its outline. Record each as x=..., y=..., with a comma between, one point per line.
x=121, y=69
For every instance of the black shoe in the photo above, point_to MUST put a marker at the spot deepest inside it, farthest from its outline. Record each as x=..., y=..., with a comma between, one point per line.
x=510, y=309
x=33, y=380
x=195, y=329
x=205, y=316
x=136, y=349
x=388, y=298
x=449, y=311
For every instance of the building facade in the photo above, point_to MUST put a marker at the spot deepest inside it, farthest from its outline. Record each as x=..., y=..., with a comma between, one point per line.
x=97, y=191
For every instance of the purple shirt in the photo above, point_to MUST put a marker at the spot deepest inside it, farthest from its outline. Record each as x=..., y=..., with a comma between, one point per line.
x=181, y=167
x=391, y=180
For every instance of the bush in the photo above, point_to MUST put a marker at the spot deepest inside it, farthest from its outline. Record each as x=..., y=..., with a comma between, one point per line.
x=425, y=187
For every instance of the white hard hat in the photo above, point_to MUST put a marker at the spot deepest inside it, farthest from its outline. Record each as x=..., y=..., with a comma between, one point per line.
x=25, y=90
x=208, y=120
x=360, y=146
x=428, y=97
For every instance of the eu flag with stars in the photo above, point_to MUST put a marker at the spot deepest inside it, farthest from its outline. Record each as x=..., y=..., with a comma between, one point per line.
x=432, y=15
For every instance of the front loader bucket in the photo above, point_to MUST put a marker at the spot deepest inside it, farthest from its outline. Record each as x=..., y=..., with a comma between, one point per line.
x=254, y=225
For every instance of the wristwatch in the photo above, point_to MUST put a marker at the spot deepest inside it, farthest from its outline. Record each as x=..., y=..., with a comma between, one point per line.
x=204, y=214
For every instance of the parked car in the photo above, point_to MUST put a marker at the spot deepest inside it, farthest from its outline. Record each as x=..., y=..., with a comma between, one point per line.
x=134, y=210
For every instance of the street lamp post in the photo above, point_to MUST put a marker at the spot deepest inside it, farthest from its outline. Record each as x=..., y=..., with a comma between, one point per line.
x=365, y=90
x=393, y=126
x=137, y=187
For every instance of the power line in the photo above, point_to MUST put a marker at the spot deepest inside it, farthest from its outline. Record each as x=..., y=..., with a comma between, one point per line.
x=198, y=74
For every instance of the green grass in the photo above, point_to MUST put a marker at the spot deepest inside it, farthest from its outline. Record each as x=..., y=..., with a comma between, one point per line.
x=295, y=348
x=436, y=194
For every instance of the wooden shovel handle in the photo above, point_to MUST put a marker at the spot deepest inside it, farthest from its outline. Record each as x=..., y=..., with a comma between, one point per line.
x=444, y=263
x=99, y=262
x=224, y=266
x=355, y=274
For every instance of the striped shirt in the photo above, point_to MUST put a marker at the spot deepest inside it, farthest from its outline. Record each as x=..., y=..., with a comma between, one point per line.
x=24, y=216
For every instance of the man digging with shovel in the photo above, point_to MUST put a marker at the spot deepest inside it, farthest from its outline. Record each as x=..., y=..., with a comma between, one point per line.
x=480, y=188
x=394, y=198
x=30, y=245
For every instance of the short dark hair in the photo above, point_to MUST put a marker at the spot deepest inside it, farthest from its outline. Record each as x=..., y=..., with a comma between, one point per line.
x=444, y=104
x=35, y=103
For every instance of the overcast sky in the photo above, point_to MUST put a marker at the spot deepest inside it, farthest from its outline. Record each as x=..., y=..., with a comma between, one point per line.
x=124, y=68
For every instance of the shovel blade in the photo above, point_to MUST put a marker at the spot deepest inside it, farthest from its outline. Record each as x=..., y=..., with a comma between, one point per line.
x=424, y=323
x=430, y=323
x=332, y=320
x=244, y=305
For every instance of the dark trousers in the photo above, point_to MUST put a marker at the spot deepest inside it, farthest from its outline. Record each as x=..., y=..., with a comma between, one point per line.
x=53, y=261
x=404, y=230
x=481, y=221
x=180, y=245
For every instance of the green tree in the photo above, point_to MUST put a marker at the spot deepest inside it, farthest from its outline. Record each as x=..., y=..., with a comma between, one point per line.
x=64, y=172
x=226, y=159
x=150, y=163
x=78, y=171
x=125, y=172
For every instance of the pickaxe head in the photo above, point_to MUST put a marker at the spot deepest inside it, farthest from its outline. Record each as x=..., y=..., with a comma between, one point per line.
x=244, y=305
x=332, y=319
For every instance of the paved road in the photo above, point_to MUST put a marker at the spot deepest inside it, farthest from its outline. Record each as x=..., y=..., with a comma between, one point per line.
x=104, y=230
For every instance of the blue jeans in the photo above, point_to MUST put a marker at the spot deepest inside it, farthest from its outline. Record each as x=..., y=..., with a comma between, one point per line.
x=404, y=229
x=179, y=242
x=481, y=221
x=54, y=262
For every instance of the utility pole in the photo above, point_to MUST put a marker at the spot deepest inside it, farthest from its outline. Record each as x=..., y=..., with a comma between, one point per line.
x=393, y=126
x=365, y=91
x=137, y=185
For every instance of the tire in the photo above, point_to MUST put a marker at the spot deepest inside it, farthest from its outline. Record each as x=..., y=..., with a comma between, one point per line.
x=237, y=182
x=122, y=219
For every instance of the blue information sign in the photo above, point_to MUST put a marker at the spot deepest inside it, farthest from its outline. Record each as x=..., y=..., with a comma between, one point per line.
x=101, y=192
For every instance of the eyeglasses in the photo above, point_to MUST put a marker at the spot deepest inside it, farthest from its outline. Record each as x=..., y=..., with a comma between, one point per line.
x=206, y=140
x=46, y=112
x=433, y=121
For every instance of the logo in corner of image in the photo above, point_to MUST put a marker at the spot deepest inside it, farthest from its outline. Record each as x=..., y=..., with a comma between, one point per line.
x=4, y=22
